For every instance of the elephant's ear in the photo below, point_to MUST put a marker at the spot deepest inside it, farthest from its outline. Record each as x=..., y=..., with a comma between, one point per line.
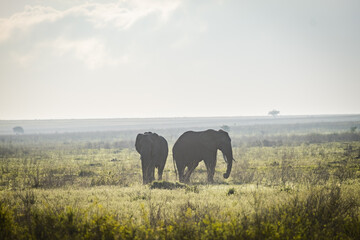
x=137, y=142
x=208, y=140
x=223, y=134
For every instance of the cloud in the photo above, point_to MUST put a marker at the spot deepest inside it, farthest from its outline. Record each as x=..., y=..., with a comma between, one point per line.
x=29, y=17
x=92, y=52
x=120, y=14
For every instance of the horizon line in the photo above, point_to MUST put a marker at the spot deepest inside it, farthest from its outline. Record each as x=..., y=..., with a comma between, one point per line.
x=177, y=117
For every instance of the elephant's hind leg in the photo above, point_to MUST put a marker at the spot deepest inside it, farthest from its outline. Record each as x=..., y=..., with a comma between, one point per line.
x=189, y=172
x=160, y=172
x=151, y=173
x=181, y=170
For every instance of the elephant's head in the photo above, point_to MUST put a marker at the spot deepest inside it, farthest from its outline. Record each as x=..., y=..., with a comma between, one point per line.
x=224, y=145
x=143, y=145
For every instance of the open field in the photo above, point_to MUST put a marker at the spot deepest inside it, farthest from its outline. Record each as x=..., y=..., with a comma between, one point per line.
x=298, y=178
x=247, y=124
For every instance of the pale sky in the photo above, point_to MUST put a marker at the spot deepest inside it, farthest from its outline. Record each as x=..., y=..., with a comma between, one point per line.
x=175, y=58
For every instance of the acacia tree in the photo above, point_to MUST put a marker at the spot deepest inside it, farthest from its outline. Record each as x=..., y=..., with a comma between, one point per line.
x=274, y=113
x=226, y=128
x=353, y=129
x=18, y=130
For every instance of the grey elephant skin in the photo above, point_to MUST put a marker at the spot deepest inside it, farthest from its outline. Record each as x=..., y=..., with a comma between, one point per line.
x=193, y=147
x=154, y=151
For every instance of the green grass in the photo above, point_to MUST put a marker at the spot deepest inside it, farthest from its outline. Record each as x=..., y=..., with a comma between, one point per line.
x=90, y=188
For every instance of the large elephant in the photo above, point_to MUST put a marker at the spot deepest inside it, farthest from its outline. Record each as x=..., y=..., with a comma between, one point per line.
x=193, y=147
x=154, y=151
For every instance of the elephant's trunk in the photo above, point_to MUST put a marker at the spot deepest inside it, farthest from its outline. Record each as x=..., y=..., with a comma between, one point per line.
x=228, y=157
x=228, y=169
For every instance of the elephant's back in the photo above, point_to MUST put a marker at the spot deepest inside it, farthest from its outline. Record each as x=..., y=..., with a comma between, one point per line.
x=187, y=139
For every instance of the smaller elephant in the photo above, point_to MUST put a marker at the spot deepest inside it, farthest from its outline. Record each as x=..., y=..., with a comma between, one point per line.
x=153, y=150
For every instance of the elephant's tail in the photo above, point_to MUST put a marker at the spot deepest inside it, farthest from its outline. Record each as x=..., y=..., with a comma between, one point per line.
x=176, y=174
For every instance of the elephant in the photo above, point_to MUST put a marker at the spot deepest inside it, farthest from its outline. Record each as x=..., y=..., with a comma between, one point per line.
x=153, y=150
x=193, y=147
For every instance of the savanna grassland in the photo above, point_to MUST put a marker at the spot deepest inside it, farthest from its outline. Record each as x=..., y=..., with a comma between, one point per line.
x=289, y=181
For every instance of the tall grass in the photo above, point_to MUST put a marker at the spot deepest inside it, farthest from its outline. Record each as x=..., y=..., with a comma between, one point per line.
x=329, y=212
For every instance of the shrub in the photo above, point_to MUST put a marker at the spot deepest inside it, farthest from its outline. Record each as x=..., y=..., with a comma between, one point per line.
x=231, y=191
x=166, y=185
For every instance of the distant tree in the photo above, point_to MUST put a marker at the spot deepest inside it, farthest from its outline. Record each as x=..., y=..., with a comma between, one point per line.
x=18, y=130
x=353, y=129
x=274, y=113
x=226, y=128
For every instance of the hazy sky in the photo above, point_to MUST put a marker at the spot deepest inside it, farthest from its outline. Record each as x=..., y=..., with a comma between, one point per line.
x=144, y=58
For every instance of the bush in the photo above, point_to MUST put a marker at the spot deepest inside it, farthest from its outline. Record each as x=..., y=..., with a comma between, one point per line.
x=166, y=185
x=231, y=191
